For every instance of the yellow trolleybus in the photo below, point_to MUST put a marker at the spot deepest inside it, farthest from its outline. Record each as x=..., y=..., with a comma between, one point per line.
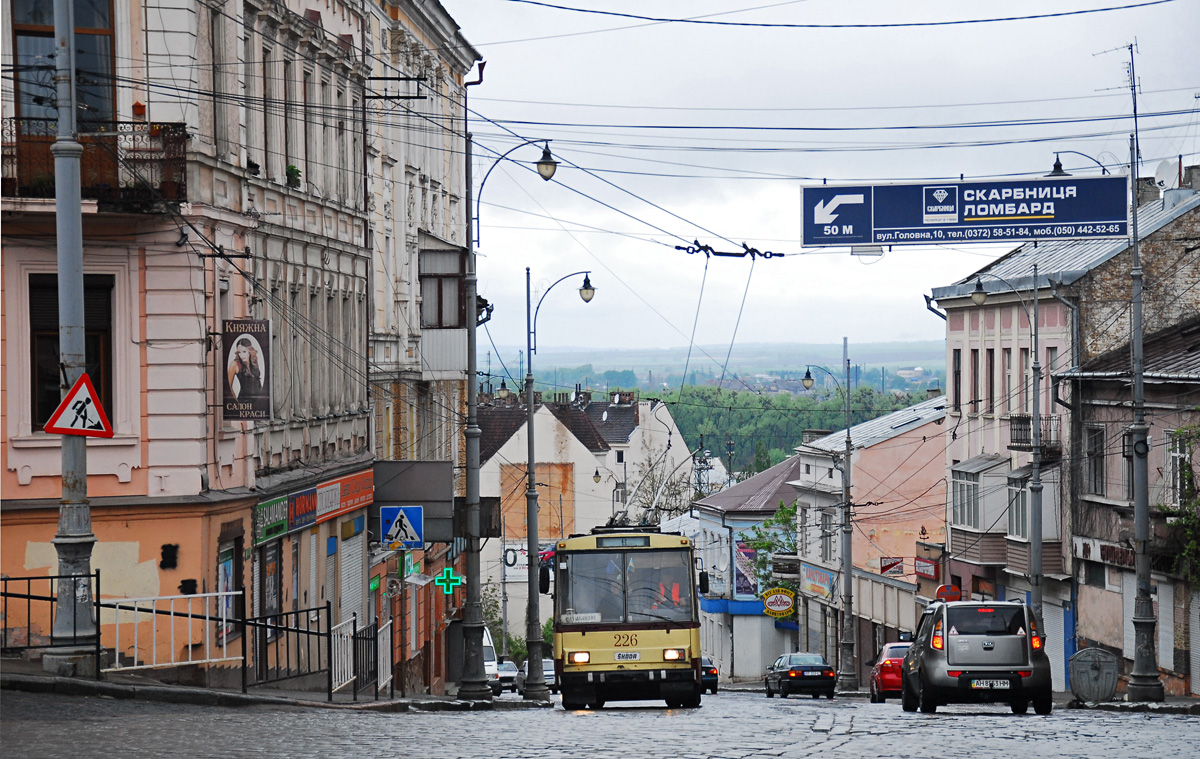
x=627, y=618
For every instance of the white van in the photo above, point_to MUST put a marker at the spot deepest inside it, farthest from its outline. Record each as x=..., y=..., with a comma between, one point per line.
x=489, y=661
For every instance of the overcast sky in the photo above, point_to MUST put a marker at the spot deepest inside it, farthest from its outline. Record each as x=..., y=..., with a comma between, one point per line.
x=622, y=98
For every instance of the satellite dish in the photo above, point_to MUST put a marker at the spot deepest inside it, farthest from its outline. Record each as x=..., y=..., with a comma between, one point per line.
x=604, y=416
x=1166, y=176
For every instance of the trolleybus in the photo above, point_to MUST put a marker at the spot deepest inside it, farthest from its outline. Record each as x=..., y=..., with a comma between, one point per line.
x=627, y=618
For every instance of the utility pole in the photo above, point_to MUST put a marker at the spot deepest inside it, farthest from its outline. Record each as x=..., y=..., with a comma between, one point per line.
x=848, y=673
x=73, y=621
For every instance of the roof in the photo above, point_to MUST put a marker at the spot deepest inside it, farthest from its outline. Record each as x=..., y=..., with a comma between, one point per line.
x=1170, y=354
x=886, y=427
x=760, y=493
x=576, y=420
x=615, y=421
x=1067, y=260
x=497, y=424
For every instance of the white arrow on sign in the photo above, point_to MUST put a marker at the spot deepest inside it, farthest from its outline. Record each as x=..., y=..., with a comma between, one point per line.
x=823, y=214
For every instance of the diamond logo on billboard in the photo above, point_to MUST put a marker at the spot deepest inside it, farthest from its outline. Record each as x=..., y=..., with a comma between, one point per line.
x=941, y=205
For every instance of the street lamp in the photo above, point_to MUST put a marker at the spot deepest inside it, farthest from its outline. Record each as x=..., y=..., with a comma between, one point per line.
x=979, y=297
x=847, y=672
x=535, y=683
x=474, y=683
x=1058, y=168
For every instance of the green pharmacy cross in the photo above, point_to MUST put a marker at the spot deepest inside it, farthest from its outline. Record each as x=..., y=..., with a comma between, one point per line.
x=448, y=581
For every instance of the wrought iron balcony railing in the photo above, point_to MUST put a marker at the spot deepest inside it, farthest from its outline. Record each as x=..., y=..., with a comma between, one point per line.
x=129, y=166
x=1020, y=428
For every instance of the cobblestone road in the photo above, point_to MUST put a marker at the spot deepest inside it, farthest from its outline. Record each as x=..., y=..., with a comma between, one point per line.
x=729, y=725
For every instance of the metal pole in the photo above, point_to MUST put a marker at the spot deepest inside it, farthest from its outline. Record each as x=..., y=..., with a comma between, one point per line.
x=403, y=623
x=73, y=621
x=848, y=675
x=1035, y=482
x=474, y=685
x=1144, y=683
x=535, y=681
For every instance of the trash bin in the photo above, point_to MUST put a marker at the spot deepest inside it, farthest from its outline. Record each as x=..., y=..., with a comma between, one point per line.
x=1094, y=675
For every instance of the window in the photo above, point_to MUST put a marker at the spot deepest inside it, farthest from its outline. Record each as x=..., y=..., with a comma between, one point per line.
x=1093, y=459
x=804, y=529
x=826, y=536
x=974, y=380
x=1018, y=508
x=1006, y=387
x=1094, y=573
x=1179, y=477
x=441, y=273
x=957, y=386
x=965, y=499
x=620, y=457
x=43, y=342
x=33, y=27
x=1024, y=379
x=990, y=380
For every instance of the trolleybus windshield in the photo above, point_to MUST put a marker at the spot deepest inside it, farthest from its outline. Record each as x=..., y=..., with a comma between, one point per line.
x=615, y=587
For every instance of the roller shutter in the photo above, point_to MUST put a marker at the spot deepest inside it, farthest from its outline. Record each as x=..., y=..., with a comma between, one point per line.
x=1056, y=643
x=352, y=559
x=1194, y=641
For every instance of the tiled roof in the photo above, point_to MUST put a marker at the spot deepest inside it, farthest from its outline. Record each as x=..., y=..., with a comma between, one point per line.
x=1173, y=353
x=1066, y=260
x=760, y=493
x=498, y=424
x=576, y=420
x=885, y=427
x=615, y=422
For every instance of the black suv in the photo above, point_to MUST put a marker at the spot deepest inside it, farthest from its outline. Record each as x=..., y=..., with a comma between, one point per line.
x=977, y=651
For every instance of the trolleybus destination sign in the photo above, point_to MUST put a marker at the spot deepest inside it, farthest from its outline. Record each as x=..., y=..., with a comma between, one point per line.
x=1059, y=208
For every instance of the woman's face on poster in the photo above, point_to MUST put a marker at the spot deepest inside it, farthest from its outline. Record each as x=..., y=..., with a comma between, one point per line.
x=243, y=353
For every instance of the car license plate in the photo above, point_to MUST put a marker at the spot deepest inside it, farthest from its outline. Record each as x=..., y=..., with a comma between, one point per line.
x=990, y=684
x=812, y=674
x=627, y=655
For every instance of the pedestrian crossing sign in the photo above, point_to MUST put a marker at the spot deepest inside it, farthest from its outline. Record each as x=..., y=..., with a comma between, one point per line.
x=403, y=527
x=80, y=413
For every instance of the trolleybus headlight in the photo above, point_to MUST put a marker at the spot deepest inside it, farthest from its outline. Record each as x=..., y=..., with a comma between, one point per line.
x=674, y=654
x=578, y=657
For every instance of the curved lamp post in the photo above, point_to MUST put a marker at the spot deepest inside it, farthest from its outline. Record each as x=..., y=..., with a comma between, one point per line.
x=847, y=672
x=535, y=683
x=979, y=297
x=474, y=682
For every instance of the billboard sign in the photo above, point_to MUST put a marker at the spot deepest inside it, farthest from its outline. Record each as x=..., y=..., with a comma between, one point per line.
x=1058, y=208
x=246, y=348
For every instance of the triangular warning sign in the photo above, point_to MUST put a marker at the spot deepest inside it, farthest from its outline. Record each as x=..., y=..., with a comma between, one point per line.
x=80, y=413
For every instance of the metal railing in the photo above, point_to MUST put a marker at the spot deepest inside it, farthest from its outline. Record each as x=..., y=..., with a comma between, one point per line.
x=30, y=605
x=145, y=622
x=128, y=164
x=1020, y=429
x=288, y=645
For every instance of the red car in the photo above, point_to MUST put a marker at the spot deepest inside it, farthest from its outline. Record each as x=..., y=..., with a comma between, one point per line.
x=885, y=674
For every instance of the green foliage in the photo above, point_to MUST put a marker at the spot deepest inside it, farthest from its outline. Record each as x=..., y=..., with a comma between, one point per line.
x=776, y=421
x=775, y=535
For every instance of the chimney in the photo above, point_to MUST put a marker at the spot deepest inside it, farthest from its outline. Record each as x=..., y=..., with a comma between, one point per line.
x=933, y=392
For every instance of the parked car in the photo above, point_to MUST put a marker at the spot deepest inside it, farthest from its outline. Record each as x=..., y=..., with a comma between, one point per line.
x=548, y=671
x=506, y=677
x=976, y=651
x=800, y=673
x=885, y=672
x=708, y=675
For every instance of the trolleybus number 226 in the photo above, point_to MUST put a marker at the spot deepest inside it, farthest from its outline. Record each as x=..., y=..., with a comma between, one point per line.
x=624, y=640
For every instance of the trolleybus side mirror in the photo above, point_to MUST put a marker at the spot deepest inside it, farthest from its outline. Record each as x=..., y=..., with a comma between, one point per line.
x=703, y=581
x=544, y=579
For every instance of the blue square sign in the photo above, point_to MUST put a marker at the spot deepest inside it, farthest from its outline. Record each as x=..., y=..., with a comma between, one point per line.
x=837, y=215
x=403, y=527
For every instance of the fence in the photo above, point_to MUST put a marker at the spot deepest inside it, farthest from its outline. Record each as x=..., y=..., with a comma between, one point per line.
x=289, y=645
x=184, y=622
x=29, y=617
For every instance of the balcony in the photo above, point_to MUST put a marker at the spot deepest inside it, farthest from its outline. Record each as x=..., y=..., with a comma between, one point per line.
x=126, y=166
x=1020, y=430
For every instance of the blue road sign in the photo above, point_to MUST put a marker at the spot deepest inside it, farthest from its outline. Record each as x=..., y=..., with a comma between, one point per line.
x=403, y=527
x=1061, y=208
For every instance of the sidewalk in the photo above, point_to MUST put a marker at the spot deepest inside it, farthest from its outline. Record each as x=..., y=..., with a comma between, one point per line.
x=24, y=675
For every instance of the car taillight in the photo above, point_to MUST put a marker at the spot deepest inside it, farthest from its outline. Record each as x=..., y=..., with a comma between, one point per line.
x=938, y=642
x=829, y=673
x=793, y=673
x=712, y=671
x=1036, y=640
x=1026, y=673
x=953, y=672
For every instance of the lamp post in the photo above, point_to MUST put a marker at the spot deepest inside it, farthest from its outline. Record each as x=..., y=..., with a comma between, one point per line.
x=535, y=683
x=474, y=683
x=979, y=297
x=847, y=672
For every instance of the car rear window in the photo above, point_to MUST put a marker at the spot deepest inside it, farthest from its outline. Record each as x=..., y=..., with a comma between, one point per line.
x=805, y=660
x=895, y=651
x=986, y=620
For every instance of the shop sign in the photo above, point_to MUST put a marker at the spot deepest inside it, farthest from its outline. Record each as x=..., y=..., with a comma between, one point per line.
x=816, y=581
x=927, y=568
x=779, y=602
x=270, y=519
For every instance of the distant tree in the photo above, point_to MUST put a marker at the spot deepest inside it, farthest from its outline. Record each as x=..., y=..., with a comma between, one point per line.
x=653, y=478
x=775, y=535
